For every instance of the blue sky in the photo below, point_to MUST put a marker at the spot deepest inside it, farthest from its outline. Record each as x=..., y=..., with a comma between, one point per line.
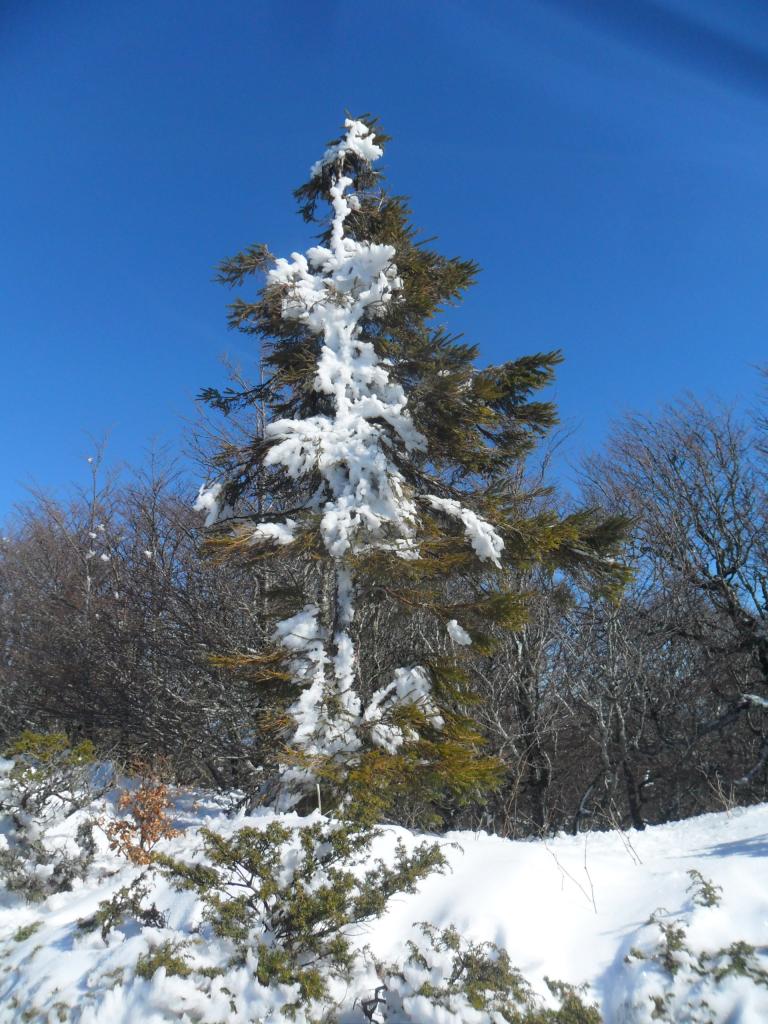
x=605, y=161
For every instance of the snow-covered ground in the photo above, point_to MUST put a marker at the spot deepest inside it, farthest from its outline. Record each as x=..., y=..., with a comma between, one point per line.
x=570, y=908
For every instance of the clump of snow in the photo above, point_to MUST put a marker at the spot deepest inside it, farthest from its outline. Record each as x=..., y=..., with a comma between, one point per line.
x=279, y=533
x=301, y=631
x=316, y=730
x=756, y=700
x=210, y=501
x=458, y=634
x=486, y=542
x=358, y=140
x=409, y=686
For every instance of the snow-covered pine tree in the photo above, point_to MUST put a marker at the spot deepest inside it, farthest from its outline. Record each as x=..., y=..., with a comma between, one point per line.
x=382, y=501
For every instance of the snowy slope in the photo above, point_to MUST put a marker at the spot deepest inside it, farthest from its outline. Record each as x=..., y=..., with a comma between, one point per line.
x=570, y=908
x=573, y=907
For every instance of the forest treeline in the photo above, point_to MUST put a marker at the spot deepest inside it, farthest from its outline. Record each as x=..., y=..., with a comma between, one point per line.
x=118, y=625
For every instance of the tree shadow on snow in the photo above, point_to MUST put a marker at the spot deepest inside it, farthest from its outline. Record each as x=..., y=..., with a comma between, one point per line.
x=755, y=846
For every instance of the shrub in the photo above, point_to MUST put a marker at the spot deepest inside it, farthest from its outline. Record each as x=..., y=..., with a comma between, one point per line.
x=169, y=955
x=35, y=871
x=49, y=779
x=703, y=892
x=128, y=903
x=48, y=770
x=137, y=837
x=457, y=982
x=686, y=980
x=26, y=931
x=285, y=899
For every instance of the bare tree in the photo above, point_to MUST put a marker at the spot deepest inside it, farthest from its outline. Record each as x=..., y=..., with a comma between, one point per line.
x=694, y=482
x=115, y=628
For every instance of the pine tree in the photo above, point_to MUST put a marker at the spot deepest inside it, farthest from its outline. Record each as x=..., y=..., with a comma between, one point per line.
x=384, y=488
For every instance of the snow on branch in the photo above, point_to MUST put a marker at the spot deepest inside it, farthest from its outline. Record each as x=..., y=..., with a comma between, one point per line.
x=487, y=544
x=332, y=289
x=458, y=634
x=279, y=533
x=358, y=140
x=211, y=501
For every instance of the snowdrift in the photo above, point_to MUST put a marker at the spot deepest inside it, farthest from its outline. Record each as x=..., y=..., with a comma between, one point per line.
x=577, y=909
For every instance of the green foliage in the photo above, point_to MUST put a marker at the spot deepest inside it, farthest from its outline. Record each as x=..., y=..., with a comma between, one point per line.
x=173, y=957
x=46, y=766
x=572, y=1009
x=740, y=959
x=671, y=948
x=47, y=749
x=704, y=892
x=290, y=895
x=26, y=931
x=127, y=904
x=169, y=955
x=437, y=769
x=17, y=871
x=455, y=976
x=481, y=973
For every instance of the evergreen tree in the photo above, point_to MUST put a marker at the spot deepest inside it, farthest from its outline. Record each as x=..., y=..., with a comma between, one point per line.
x=387, y=479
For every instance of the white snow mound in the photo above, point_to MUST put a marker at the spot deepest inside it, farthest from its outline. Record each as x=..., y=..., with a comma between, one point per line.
x=571, y=908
